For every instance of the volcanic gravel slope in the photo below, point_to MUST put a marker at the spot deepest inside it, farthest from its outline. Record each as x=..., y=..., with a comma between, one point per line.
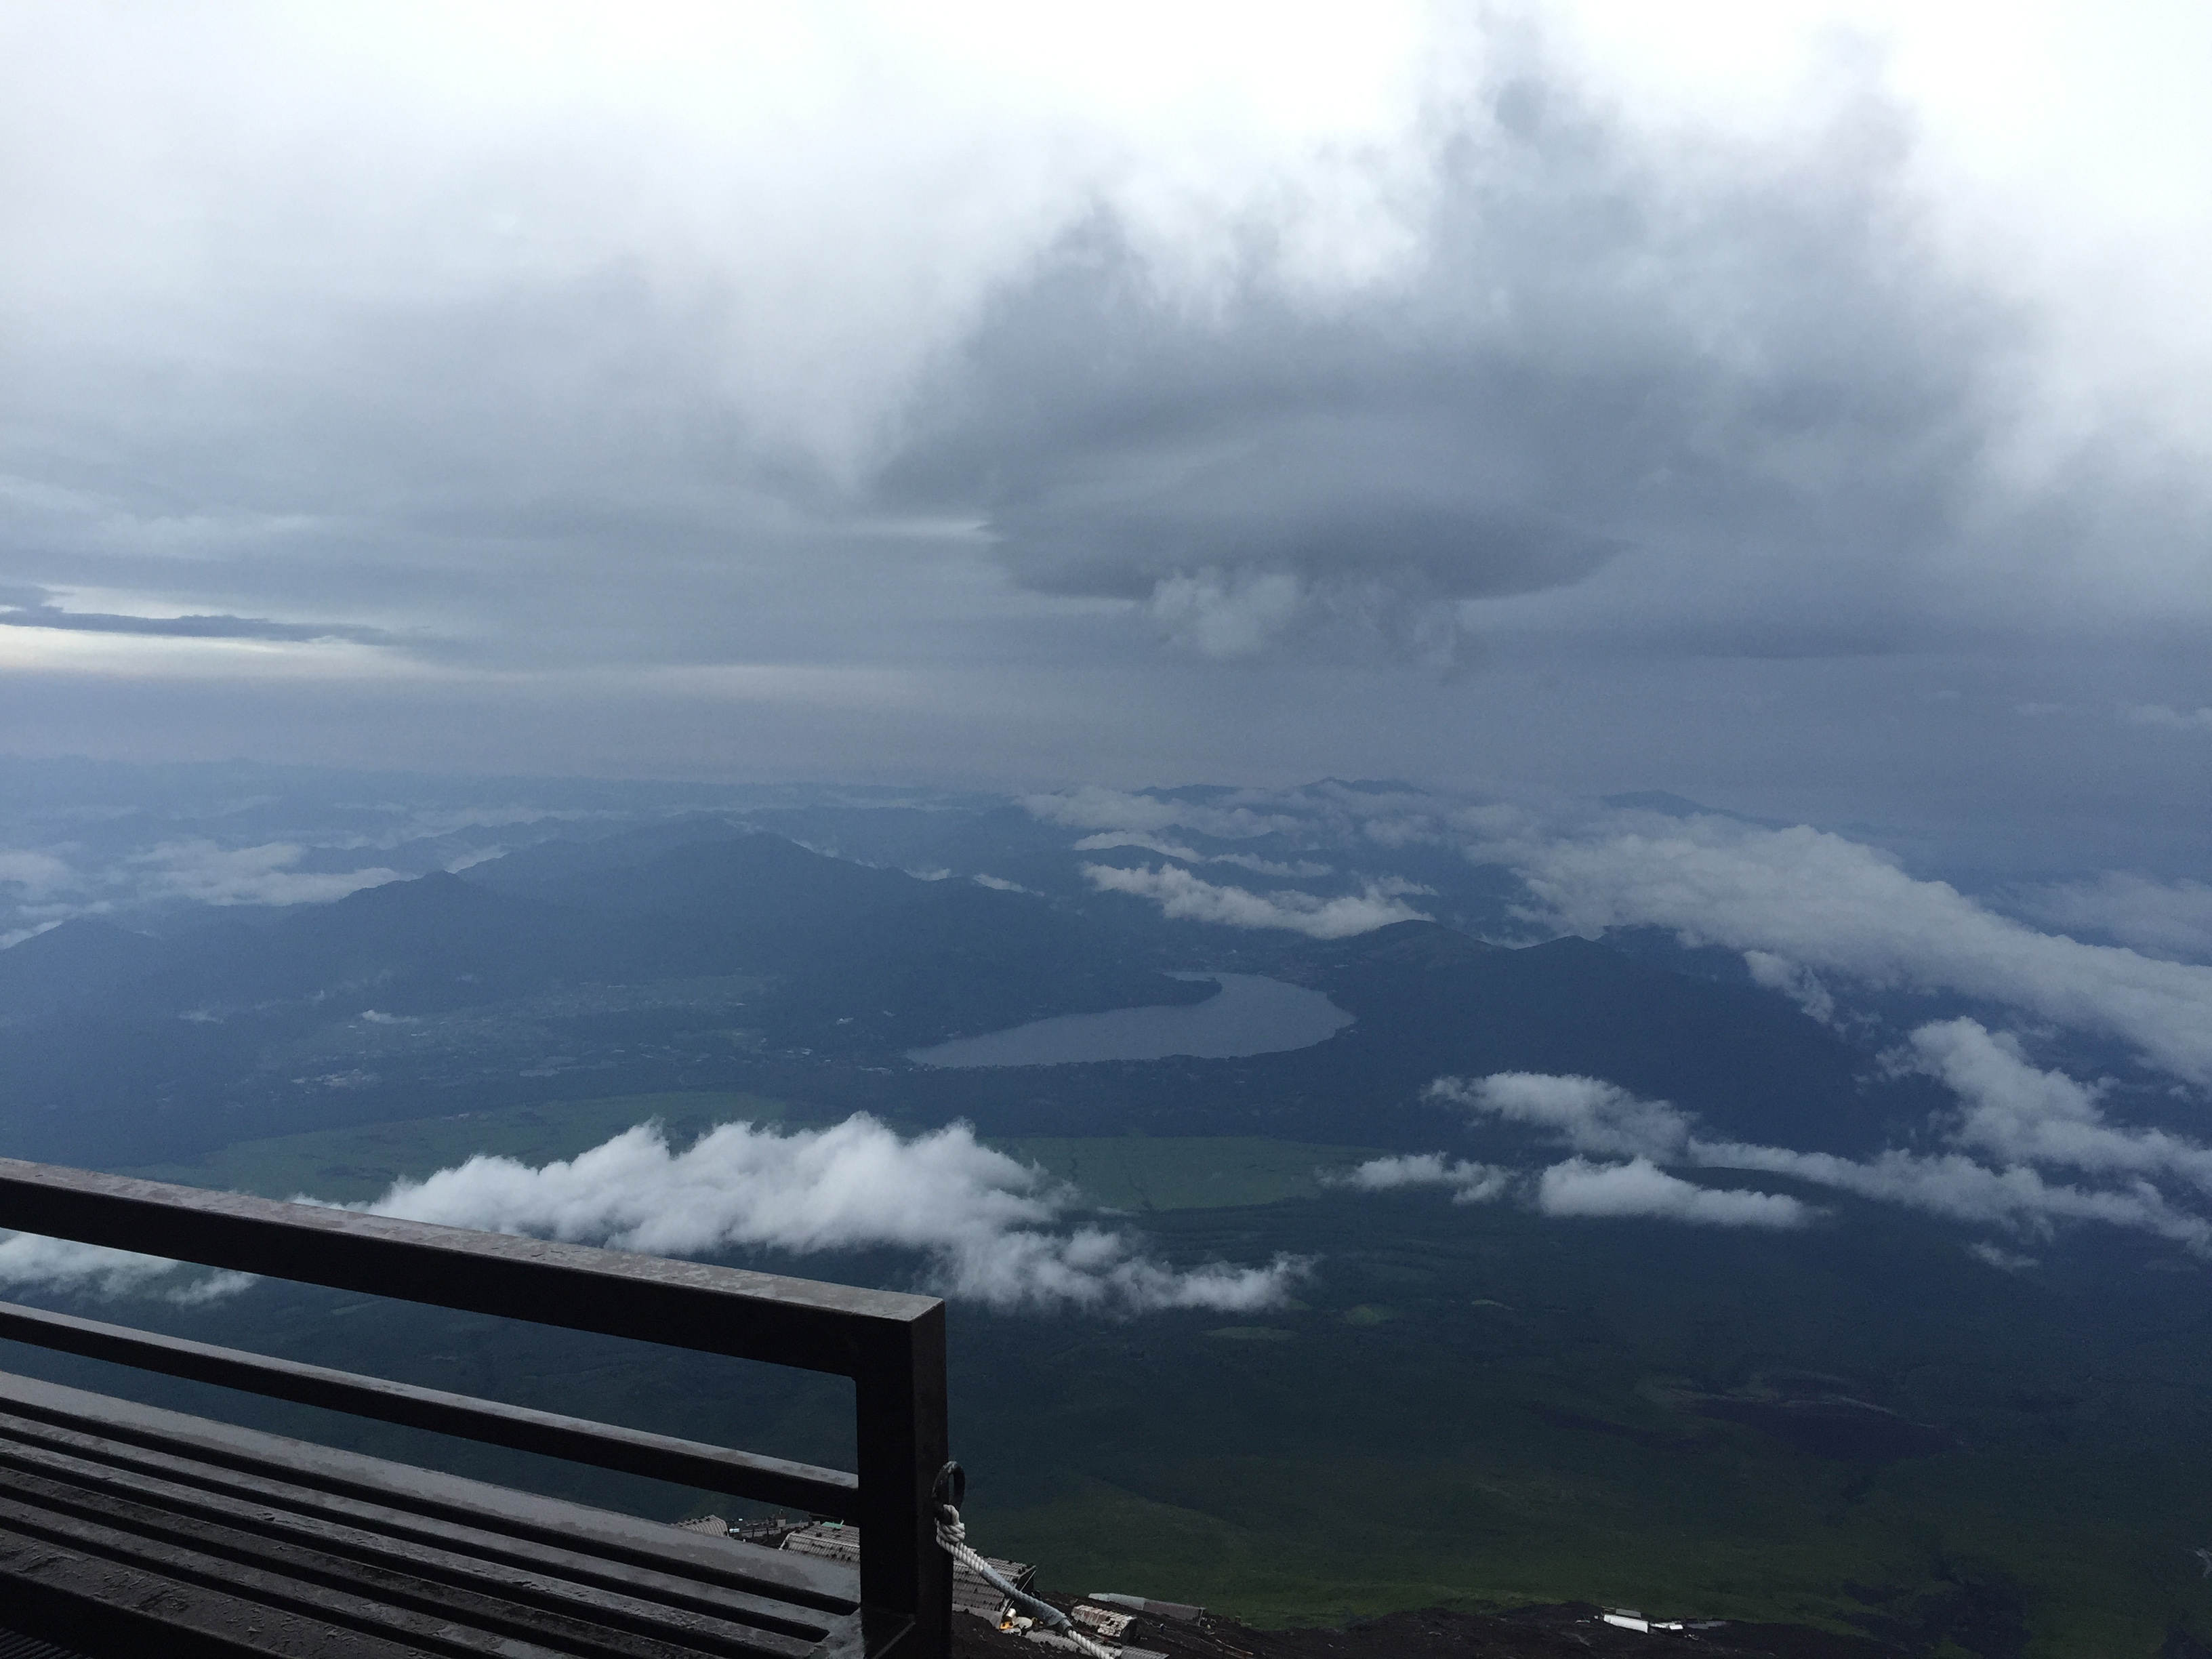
x=1565, y=1631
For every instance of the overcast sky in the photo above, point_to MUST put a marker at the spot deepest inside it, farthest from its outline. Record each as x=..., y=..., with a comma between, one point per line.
x=1802, y=409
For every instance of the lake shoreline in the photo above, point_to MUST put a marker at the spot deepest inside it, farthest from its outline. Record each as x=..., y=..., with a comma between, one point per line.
x=1250, y=1014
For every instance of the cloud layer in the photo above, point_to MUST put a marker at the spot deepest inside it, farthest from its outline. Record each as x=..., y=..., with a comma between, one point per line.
x=982, y=387
x=2170, y=919
x=984, y=1221
x=1296, y=870
x=208, y=874
x=2028, y=1151
x=1803, y=901
x=1469, y=1183
x=43, y=614
x=1640, y=1188
x=1183, y=896
x=1823, y=917
x=35, y=1262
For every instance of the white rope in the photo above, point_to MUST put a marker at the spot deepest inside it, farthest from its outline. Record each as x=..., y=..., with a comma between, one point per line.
x=952, y=1536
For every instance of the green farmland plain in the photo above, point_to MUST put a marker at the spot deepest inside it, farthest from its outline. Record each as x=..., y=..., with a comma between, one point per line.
x=1135, y=1173
x=1855, y=1424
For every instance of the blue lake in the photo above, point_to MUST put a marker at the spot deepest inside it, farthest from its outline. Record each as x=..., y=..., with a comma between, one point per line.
x=1250, y=1015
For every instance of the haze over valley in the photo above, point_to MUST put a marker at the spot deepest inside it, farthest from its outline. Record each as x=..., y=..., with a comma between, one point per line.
x=1799, y=1086
x=1459, y=756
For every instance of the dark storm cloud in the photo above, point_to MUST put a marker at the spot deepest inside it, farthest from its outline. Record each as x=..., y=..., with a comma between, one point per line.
x=692, y=399
x=1385, y=486
x=1753, y=364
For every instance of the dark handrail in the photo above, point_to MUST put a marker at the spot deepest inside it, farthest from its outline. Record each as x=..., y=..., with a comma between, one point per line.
x=891, y=1345
x=830, y=1493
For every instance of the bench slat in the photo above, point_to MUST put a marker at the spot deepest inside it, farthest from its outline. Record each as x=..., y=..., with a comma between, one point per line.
x=328, y=1551
x=671, y=1589
x=204, y=1543
x=684, y=1462
x=525, y=1516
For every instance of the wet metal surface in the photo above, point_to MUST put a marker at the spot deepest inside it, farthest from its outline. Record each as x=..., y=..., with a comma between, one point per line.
x=89, y=1526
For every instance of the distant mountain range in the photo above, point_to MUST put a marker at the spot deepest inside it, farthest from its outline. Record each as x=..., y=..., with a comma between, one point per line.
x=695, y=954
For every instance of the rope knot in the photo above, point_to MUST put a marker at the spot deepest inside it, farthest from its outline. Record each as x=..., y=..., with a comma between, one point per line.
x=952, y=1539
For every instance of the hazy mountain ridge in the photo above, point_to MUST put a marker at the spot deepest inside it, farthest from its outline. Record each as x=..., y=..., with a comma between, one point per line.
x=857, y=963
x=1745, y=1059
x=607, y=974
x=871, y=960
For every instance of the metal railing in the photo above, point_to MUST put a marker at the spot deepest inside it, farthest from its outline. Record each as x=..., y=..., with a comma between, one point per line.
x=891, y=1345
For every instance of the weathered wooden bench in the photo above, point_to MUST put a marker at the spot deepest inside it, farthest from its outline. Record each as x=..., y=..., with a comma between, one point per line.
x=126, y=1530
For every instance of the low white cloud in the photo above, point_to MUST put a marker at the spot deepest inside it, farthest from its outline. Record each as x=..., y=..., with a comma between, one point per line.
x=1235, y=816
x=2014, y=1124
x=2009, y=1261
x=1399, y=887
x=1811, y=903
x=1816, y=915
x=40, y=875
x=1183, y=897
x=2017, y=1114
x=1961, y=1188
x=1589, y=1114
x=1640, y=1188
x=2014, y=1131
x=419, y=821
x=1295, y=870
x=1578, y=1187
x=1801, y=985
x=985, y=1220
x=1107, y=839
x=2163, y=918
x=31, y=1260
x=212, y=874
x=1470, y=1183
x=2164, y=719
x=1000, y=884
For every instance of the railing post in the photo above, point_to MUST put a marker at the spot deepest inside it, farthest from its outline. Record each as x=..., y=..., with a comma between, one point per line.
x=890, y=1344
x=901, y=1406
